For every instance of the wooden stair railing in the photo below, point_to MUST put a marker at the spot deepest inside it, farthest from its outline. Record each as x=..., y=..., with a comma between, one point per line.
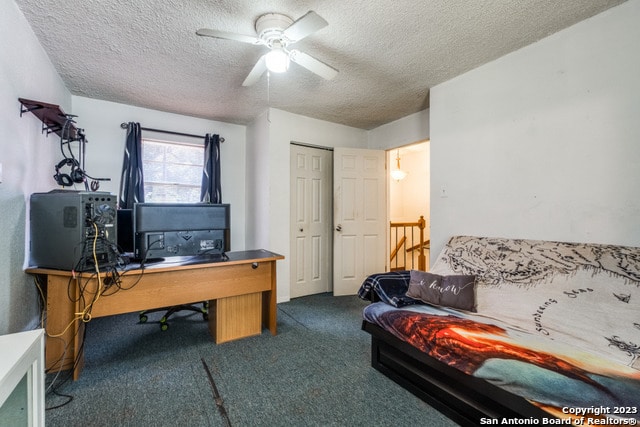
x=425, y=244
x=398, y=246
x=399, y=231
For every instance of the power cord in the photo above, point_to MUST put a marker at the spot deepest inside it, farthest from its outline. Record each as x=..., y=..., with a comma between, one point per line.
x=87, y=296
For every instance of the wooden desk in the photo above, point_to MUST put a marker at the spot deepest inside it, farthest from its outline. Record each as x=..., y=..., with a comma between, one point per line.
x=241, y=292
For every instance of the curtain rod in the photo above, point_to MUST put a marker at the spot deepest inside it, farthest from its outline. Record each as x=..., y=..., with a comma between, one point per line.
x=125, y=125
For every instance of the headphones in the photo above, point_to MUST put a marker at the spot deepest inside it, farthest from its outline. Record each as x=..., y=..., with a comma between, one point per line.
x=76, y=175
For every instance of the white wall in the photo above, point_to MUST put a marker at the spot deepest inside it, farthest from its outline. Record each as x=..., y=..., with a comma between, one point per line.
x=106, y=139
x=544, y=143
x=271, y=213
x=257, y=183
x=404, y=131
x=27, y=156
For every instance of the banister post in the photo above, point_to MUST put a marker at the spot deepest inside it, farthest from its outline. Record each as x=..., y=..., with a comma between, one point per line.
x=422, y=261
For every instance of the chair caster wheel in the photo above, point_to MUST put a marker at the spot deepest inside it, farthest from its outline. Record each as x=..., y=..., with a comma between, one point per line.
x=164, y=326
x=143, y=318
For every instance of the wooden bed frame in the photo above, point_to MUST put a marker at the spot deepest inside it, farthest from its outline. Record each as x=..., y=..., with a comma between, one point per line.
x=461, y=397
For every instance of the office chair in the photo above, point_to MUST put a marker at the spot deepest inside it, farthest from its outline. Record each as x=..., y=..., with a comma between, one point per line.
x=171, y=310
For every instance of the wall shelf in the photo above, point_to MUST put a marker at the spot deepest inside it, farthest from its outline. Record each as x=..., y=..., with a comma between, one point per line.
x=52, y=117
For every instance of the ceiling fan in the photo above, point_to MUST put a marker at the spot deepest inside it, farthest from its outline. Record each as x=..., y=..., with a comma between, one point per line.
x=278, y=32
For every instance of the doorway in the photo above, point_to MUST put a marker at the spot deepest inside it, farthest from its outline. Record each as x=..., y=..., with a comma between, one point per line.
x=408, y=200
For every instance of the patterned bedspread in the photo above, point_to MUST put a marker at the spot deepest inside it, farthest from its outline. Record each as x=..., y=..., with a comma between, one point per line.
x=556, y=323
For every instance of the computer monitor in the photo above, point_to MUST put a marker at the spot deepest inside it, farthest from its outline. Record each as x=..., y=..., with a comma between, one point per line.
x=162, y=230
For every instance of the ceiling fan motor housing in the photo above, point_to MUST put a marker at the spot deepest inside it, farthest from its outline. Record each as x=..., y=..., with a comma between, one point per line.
x=270, y=26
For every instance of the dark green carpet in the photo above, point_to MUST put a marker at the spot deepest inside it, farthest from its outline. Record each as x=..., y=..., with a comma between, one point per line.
x=315, y=372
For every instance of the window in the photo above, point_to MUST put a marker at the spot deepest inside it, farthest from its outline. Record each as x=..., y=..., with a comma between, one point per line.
x=172, y=171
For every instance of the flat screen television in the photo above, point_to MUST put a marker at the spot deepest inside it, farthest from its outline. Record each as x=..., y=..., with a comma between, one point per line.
x=160, y=230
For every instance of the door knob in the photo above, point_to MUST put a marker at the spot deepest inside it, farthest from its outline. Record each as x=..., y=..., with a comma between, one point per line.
x=339, y=228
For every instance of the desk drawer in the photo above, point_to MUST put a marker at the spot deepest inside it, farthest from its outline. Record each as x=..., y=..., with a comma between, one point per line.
x=238, y=279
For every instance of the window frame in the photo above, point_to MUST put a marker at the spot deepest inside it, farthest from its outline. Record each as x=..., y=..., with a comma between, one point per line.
x=171, y=188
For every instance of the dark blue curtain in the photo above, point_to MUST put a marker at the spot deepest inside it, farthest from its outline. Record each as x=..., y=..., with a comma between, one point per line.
x=132, y=181
x=211, y=191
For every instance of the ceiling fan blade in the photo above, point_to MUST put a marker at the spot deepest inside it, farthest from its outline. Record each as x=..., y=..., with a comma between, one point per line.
x=304, y=26
x=228, y=36
x=312, y=64
x=256, y=72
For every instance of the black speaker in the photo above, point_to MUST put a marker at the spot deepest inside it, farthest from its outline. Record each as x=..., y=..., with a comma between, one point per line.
x=72, y=230
x=125, y=230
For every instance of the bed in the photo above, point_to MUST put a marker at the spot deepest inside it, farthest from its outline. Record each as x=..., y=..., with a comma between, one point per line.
x=514, y=331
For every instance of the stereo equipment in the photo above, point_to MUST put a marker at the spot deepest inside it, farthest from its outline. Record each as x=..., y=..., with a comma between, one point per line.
x=72, y=230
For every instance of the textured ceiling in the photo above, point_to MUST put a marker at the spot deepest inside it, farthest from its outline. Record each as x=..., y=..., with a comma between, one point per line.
x=389, y=52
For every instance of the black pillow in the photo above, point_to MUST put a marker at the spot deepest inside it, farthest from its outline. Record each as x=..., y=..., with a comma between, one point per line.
x=448, y=291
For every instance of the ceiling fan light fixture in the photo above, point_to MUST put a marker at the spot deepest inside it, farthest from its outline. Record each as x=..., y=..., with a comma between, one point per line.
x=277, y=60
x=278, y=32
